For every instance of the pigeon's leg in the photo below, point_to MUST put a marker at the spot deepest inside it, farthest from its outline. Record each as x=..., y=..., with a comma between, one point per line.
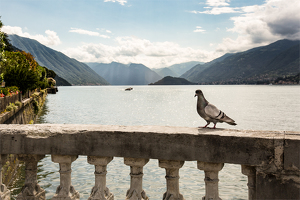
x=205, y=125
x=214, y=126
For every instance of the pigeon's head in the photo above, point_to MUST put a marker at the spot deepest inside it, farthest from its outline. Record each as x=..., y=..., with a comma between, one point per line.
x=198, y=93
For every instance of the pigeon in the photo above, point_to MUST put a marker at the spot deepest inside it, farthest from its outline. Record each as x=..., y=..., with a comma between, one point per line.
x=211, y=113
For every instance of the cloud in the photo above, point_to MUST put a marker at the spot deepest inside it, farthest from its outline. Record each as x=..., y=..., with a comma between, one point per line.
x=199, y=29
x=262, y=24
x=219, y=10
x=85, y=32
x=50, y=39
x=136, y=50
x=217, y=2
x=217, y=7
x=122, y=2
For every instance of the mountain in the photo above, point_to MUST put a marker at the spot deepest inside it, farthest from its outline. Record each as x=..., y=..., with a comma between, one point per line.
x=165, y=72
x=183, y=67
x=121, y=74
x=168, y=80
x=278, y=59
x=71, y=70
x=193, y=72
x=177, y=69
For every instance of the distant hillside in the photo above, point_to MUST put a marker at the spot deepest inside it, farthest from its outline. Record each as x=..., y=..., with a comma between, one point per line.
x=194, y=72
x=121, y=74
x=71, y=70
x=61, y=82
x=184, y=67
x=168, y=80
x=165, y=72
x=278, y=59
x=177, y=69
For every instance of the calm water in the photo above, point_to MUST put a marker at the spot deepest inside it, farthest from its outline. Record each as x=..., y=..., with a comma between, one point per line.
x=253, y=107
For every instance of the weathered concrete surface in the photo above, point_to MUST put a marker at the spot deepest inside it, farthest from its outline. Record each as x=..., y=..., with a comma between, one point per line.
x=164, y=143
x=274, y=155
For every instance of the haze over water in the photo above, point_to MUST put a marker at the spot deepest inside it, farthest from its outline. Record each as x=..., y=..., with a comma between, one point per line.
x=252, y=107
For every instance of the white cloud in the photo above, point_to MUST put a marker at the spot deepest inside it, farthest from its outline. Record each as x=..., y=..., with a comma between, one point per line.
x=85, y=32
x=219, y=10
x=122, y=2
x=261, y=25
x=199, y=29
x=136, y=50
x=50, y=39
x=217, y=2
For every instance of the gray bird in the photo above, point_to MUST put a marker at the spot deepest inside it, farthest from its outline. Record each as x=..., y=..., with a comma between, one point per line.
x=211, y=113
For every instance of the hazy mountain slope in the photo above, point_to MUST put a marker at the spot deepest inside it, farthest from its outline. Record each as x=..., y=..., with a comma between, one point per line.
x=73, y=71
x=121, y=74
x=165, y=72
x=194, y=72
x=277, y=59
x=168, y=80
x=181, y=68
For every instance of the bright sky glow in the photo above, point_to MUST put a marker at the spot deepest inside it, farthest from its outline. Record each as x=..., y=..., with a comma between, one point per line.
x=156, y=33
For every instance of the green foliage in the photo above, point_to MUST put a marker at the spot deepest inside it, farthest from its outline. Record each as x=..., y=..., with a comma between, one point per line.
x=4, y=91
x=50, y=73
x=11, y=107
x=18, y=103
x=36, y=106
x=13, y=89
x=17, y=72
x=4, y=44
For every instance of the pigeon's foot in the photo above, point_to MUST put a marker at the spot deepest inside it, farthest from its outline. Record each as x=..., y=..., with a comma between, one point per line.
x=212, y=127
x=203, y=127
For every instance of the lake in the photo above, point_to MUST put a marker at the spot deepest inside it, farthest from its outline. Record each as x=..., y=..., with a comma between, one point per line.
x=252, y=107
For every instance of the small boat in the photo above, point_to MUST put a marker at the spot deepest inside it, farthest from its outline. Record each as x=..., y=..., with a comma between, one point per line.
x=129, y=89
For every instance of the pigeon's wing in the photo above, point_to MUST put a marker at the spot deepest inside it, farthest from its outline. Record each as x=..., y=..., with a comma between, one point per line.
x=212, y=111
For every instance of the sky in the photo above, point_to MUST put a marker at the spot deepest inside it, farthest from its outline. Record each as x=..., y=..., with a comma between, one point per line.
x=156, y=33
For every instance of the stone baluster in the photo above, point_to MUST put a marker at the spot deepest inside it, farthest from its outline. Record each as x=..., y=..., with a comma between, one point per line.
x=250, y=171
x=65, y=191
x=31, y=190
x=172, y=177
x=136, y=191
x=100, y=191
x=211, y=171
x=4, y=192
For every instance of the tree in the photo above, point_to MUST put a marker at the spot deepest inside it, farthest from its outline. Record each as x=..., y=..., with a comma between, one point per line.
x=17, y=71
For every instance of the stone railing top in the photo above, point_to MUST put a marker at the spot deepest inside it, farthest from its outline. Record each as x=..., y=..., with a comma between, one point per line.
x=157, y=142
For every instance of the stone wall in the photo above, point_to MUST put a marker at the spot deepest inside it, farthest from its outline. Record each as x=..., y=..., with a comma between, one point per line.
x=270, y=159
x=27, y=112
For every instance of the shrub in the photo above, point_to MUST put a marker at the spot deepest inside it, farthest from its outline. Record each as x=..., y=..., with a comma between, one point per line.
x=13, y=89
x=4, y=91
x=18, y=103
x=17, y=71
x=11, y=107
x=36, y=106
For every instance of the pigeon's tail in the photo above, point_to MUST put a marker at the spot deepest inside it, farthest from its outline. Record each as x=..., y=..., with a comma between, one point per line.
x=228, y=120
x=223, y=117
x=232, y=123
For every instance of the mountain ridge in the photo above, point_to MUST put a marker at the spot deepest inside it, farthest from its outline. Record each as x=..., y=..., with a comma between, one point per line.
x=73, y=71
x=121, y=74
x=280, y=58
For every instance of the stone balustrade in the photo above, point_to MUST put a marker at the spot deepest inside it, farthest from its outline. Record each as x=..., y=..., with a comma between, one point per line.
x=271, y=160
